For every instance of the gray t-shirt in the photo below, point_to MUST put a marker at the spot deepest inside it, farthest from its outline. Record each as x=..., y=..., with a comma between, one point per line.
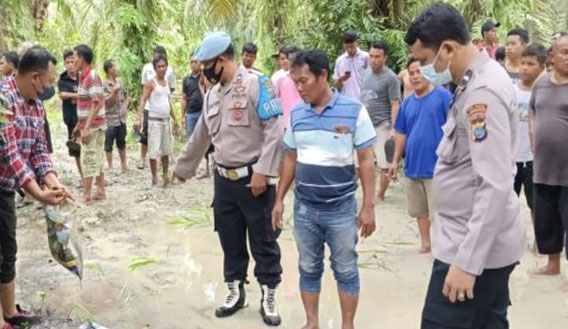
x=550, y=105
x=378, y=90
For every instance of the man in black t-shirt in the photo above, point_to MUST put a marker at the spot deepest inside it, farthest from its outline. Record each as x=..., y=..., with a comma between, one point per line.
x=67, y=85
x=192, y=100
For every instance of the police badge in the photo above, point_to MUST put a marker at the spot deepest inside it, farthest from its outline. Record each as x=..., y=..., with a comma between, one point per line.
x=477, y=114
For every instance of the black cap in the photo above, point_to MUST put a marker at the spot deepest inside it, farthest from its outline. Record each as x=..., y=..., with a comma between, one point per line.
x=488, y=26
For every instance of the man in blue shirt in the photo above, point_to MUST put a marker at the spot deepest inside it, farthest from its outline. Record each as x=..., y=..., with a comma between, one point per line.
x=324, y=132
x=418, y=133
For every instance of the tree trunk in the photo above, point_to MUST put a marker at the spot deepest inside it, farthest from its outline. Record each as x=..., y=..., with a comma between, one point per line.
x=39, y=13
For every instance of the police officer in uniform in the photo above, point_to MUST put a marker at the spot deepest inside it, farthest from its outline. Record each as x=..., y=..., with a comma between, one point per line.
x=477, y=233
x=240, y=119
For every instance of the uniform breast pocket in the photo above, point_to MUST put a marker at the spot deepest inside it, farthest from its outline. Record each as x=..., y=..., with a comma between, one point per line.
x=446, y=149
x=239, y=114
x=213, y=118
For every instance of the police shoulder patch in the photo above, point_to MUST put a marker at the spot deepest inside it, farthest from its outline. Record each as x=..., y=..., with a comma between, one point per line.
x=477, y=114
x=268, y=104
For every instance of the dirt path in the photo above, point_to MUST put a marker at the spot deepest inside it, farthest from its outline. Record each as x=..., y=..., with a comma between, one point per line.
x=185, y=284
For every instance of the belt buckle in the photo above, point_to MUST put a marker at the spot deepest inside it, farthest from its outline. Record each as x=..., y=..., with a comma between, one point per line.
x=232, y=174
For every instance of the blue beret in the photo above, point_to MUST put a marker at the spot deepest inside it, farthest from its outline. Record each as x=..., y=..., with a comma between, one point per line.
x=212, y=46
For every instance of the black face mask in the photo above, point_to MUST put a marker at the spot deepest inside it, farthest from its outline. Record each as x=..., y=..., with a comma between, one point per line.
x=211, y=75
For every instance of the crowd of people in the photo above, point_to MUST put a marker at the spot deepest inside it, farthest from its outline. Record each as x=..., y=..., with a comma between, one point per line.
x=475, y=124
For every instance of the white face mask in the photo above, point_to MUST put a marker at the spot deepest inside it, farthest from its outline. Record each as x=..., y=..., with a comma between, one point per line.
x=437, y=78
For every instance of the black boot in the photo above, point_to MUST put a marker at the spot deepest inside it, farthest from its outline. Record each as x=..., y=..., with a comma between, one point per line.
x=236, y=299
x=268, y=306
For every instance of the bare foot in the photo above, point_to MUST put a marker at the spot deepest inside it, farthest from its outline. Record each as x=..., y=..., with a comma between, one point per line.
x=154, y=181
x=547, y=270
x=310, y=327
x=204, y=175
x=380, y=199
x=424, y=250
x=125, y=169
x=99, y=197
x=87, y=200
x=165, y=180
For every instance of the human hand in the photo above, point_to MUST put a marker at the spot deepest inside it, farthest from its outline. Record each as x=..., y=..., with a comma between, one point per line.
x=366, y=221
x=277, y=215
x=458, y=285
x=51, y=197
x=393, y=171
x=85, y=136
x=257, y=184
x=345, y=76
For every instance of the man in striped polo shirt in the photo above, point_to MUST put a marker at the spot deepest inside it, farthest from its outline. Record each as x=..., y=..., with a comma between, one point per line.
x=92, y=124
x=324, y=132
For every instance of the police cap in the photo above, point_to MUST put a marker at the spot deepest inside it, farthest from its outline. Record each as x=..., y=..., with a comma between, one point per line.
x=212, y=46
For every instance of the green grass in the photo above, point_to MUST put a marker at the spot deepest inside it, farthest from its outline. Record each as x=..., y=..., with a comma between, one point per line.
x=139, y=262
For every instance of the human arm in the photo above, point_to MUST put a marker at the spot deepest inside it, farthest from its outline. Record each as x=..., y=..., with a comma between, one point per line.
x=399, y=146
x=63, y=95
x=338, y=76
x=183, y=108
x=287, y=174
x=194, y=151
x=363, y=141
x=532, y=120
x=148, y=88
x=270, y=155
x=96, y=93
x=394, y=97
x=65, y=92
x=401, y=130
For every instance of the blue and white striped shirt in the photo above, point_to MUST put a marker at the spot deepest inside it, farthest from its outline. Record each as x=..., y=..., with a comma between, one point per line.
x=325, y=144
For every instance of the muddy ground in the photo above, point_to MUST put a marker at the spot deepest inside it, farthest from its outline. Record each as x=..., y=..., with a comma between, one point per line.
x=152, y=258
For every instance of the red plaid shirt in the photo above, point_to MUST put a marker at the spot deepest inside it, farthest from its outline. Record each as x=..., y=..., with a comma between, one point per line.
x=23, y=147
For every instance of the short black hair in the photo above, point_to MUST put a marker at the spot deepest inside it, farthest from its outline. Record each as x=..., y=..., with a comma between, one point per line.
x=108, y=64
x=350, y=36
x=160, y=50
x=536, y=50
x=250, y=48
x=290, y=50
x=437, y=23
x=522, y=33
x=85, y=52
x=380, y=45
x=12, y=57
x=67, y=53
x=500, y=54
x=410, y=61
x=36, y=59
x=316, y=60
x=159, y=57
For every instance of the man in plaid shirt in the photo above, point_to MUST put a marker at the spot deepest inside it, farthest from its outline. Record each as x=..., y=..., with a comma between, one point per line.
x=24, y=163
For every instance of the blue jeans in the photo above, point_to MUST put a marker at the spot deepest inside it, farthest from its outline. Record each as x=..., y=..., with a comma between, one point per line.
x=338, y=227
x=190, y=122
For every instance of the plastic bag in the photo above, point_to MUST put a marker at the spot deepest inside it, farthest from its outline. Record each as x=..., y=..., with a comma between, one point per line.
x=63, y=247
x=91, y=325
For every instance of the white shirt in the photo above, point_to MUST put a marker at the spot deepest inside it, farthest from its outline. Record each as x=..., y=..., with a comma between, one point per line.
x=523, y=151
x=149, y=73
